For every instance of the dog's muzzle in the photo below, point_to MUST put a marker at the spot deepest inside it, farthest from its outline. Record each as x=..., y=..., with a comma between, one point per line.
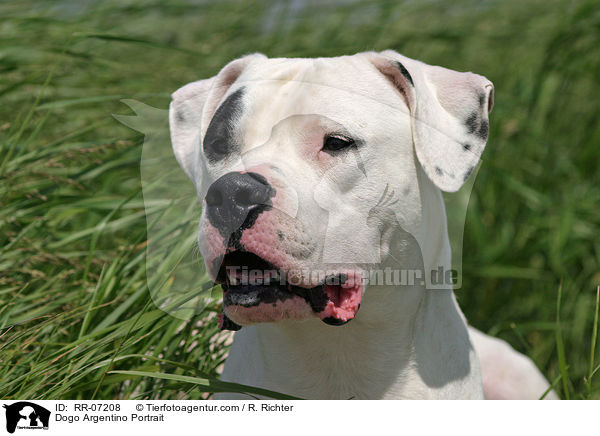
x=255, y=290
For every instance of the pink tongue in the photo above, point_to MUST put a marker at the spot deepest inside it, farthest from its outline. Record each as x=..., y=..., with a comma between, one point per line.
x=343, y=302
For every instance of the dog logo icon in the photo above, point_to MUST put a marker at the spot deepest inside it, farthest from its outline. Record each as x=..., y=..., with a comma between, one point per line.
x=26, y=415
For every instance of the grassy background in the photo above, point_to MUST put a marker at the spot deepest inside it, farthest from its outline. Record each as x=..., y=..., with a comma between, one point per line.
x=75, y=311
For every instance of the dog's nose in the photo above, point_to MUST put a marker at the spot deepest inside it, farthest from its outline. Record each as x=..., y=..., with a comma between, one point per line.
x=235, y=200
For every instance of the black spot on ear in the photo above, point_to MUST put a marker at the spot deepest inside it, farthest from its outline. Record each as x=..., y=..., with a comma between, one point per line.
x=405, y=73
x=483, y=130
x=280, y=235
x=439, y=171
x=179, y=116
x=467, y=146
x=481, y=99
x=219, y=140
x=471, y=122
x=468, y=173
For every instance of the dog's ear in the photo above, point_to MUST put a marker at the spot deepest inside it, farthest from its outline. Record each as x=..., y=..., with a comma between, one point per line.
x=193, y=106
x=449, y=115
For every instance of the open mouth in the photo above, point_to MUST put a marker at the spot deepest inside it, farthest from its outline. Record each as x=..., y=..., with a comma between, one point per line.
x=254, y=290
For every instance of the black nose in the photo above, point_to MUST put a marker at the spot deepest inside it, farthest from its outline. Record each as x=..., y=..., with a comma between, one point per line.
x=236, y=199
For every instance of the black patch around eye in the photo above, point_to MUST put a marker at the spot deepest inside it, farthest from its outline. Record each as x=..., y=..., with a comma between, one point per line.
x=467, y=146
x=219, y=140
x=405, y=73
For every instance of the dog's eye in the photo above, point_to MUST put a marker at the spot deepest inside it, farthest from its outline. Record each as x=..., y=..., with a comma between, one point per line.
x=336, y=143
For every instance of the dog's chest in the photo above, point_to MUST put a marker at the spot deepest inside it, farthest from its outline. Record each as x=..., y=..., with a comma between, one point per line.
x=342, y=366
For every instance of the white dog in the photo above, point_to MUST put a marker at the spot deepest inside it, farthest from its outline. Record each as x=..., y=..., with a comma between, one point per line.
x=315, y=174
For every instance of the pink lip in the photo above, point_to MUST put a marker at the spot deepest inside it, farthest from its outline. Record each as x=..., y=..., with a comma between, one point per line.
x=344, y=300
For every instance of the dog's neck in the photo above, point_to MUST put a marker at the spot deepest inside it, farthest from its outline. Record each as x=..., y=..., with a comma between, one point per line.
x=406, y=341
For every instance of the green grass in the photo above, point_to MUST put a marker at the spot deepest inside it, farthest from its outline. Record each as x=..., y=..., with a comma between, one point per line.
x=76, y=317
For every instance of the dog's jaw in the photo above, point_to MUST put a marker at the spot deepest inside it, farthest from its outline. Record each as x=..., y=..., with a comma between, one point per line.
x=249, y=299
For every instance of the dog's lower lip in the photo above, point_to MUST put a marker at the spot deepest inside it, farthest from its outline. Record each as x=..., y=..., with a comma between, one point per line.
x=249, y=282
x=334, y=304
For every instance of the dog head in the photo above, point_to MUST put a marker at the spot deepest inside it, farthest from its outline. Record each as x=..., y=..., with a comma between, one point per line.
x=311, y=170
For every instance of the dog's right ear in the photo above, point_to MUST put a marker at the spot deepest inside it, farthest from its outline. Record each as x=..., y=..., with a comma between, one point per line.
x=193, y=106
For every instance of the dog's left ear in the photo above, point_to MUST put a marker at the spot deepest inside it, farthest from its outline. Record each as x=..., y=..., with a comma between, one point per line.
x=449, y=115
